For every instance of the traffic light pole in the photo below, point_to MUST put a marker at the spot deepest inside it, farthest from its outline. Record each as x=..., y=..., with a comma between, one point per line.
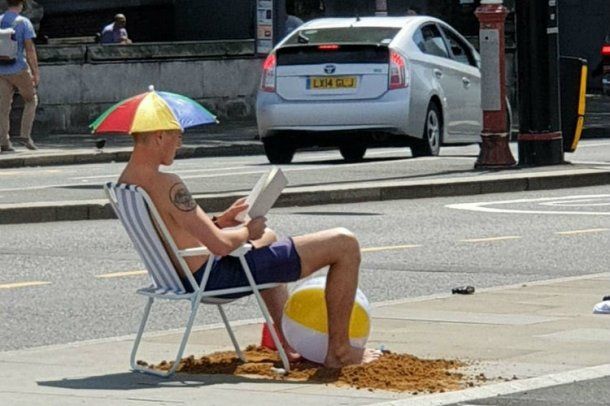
x=495, y=151
x=540, y=139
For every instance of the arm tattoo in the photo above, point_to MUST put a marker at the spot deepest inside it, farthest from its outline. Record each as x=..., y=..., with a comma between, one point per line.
x=181, y=197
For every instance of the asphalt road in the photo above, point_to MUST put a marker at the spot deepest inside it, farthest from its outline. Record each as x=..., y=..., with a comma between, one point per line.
x=65, y=282
x=595, y=392
x=238, y=174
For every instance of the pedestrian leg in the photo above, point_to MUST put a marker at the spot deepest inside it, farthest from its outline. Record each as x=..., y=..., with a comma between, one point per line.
x=6, y=100
x=24, y=82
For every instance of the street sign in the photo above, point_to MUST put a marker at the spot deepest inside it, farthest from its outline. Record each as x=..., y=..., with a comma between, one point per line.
x=264, y=26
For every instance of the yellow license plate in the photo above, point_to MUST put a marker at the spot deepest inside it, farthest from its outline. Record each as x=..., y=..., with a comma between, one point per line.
x=331, y=82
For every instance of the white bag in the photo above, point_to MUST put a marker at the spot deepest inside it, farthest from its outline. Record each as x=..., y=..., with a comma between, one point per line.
x=8, y=46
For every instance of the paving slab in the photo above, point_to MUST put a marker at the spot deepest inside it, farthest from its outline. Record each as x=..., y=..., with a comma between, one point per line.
x=523, y=342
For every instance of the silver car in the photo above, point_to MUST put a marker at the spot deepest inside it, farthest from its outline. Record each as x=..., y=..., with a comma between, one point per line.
x=356, y=83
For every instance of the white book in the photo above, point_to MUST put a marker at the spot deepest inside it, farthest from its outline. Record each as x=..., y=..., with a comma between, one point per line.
x=264, y=194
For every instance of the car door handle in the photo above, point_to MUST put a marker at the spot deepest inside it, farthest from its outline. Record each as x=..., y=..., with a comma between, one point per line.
x=438, y=73
x=466, y=82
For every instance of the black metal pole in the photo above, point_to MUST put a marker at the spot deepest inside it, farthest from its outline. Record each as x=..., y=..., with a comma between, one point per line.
x=540, y=138
x=279, y=20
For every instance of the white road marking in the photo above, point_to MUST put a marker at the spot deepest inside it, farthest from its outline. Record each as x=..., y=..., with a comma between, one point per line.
x=589, y=231
x=492, y=239
x=23, y=284
x=480, y=206
x=579, y=203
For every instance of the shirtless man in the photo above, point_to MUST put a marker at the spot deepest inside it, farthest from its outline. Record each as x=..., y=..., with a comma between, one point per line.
x=271, y=261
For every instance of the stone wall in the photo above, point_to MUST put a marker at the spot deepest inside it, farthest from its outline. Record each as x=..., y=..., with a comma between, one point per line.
x=82, y=81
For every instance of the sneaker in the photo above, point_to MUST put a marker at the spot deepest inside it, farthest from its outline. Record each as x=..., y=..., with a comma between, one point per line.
x=7, y=148
x=28, y=143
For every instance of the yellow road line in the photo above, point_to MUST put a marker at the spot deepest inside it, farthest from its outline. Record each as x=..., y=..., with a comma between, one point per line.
x=11, y=173
x=389, y=248
x=23, y=284
x=492, y=239
x=120, y=274
x=573, y=232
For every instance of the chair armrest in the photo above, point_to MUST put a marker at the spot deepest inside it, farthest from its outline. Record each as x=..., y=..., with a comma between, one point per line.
x=241, y=251
x=194, y=252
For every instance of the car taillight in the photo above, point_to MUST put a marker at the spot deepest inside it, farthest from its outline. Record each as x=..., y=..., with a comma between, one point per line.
x=606, y=50
x=268, y=79
x=398, y=71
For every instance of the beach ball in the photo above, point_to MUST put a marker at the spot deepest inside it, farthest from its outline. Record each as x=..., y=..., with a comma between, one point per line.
x=305, y=320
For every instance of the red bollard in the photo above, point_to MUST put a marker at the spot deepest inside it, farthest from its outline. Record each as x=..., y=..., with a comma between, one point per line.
x=495, y=152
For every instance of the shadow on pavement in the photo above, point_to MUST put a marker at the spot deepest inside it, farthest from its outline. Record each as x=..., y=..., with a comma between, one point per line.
x=134, y=381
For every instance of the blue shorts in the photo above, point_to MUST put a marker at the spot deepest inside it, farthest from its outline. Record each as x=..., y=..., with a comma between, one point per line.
x=276, y=263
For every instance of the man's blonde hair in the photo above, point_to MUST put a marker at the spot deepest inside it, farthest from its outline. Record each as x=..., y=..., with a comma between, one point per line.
x=144, y=137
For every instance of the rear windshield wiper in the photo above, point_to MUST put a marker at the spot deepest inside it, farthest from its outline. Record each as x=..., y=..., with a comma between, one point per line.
x=302, y=39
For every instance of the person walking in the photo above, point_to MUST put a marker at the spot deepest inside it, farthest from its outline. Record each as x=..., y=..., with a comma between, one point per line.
x=18, y=71
x=116, y=32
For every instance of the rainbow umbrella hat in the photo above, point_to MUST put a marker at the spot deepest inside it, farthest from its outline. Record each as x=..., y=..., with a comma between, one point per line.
x=152, y=111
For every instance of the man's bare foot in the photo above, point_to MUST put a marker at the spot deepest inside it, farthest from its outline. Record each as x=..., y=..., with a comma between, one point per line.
x=292, y=355
x=350, y=356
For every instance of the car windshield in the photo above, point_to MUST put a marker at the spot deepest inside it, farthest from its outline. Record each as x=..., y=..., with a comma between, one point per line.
x=344, y=35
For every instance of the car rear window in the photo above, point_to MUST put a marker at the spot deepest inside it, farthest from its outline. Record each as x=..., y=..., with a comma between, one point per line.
x=313, y=54
x=344, y=35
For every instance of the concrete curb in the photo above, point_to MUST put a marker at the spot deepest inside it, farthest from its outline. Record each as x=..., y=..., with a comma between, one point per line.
x=316, y=195
x=78, y=158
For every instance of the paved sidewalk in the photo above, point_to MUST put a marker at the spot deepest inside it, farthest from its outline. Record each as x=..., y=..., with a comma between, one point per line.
x=542, y=333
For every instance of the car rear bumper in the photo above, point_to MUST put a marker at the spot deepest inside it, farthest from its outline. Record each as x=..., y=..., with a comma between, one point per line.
x=389, y=112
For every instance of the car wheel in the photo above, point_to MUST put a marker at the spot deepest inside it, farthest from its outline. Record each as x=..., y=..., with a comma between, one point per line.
x=278, y=150
x=430, y=144
x=352, y=153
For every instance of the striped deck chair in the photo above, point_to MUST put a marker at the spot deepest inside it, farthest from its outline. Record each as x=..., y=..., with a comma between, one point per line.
x=135, y=210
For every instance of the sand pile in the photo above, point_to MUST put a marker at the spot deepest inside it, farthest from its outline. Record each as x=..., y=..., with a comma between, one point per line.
x=393, y=372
